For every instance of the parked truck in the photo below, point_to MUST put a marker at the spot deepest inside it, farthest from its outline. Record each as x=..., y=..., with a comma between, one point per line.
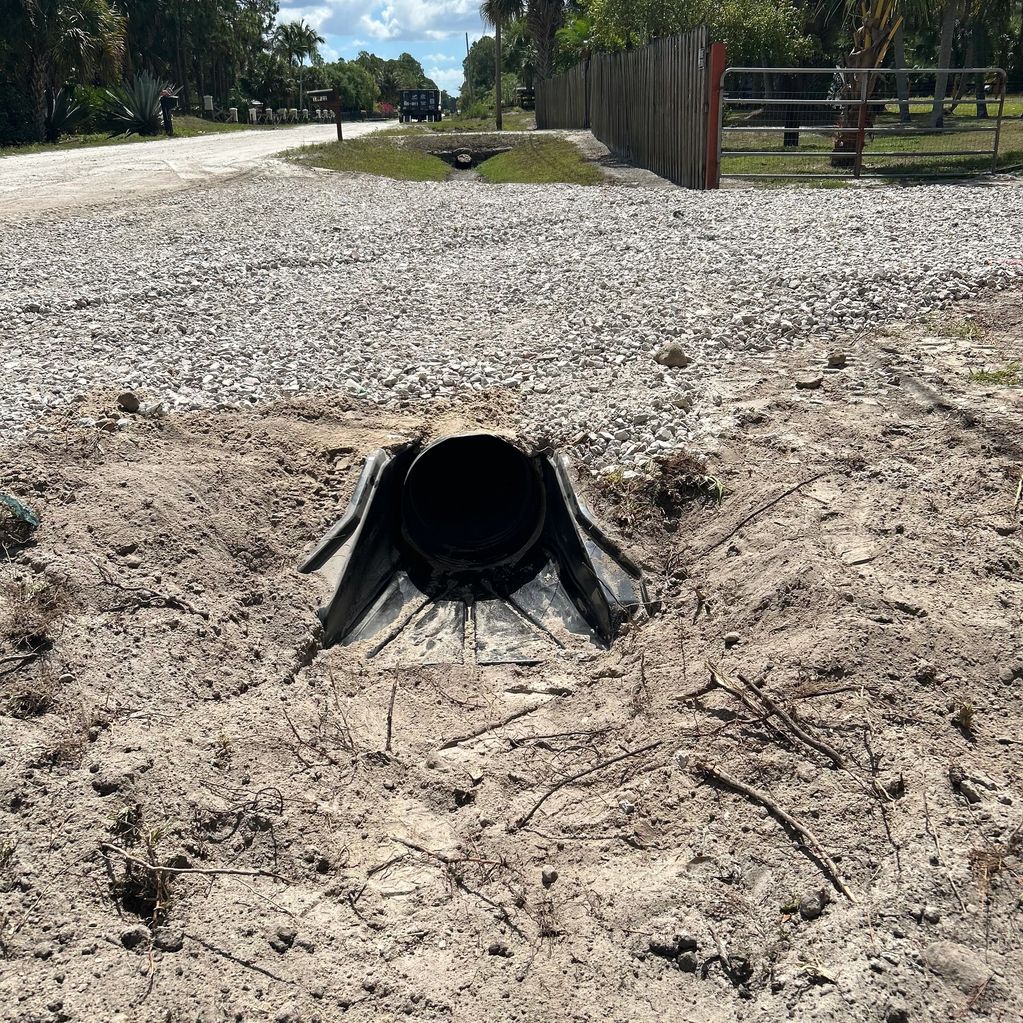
x=420, y=105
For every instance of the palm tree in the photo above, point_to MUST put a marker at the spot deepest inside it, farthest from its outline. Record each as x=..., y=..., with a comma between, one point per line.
x=545, y=18
x=499, y=13
x=950, y=12
x=294, y=41
x=64, y=40
x=875, y=24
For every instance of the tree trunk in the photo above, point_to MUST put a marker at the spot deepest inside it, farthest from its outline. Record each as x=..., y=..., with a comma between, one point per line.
x=982, y=56
x=969, y=60
x=179, y=60
x=37, y=84
x=901, y=81
x=497, y=75
x=948, y=27
x=793, y=89
x=1016, y=81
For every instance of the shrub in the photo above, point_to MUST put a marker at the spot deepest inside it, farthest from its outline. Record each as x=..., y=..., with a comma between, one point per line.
x=62, y=114
x=93, y=101
x=134, y=107
x=15, y=112
x=479, y=109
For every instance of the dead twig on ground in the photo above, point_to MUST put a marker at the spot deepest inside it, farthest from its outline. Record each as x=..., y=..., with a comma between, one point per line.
x=811, y=693
x=695, y=694
x=492, y=726
x=822, y=747
x=386, y=864
x=524, y=820
x=711, y=771
x=19, y=662
x=137, y=597
x=107, y=847
x=451, y=862
x=764, y=507
x=390, y=715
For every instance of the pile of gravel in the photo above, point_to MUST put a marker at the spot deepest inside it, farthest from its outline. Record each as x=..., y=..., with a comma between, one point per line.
x=400, y=293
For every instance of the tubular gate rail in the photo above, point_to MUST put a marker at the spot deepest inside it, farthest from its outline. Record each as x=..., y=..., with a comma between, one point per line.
x=646, y=105
x=842, y=122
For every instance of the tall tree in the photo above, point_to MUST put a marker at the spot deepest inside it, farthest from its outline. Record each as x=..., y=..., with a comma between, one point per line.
x=499, y=13
x=544, y=18
x=875, y=24
x=294, y=41
x=64, y=40
x=950, y=12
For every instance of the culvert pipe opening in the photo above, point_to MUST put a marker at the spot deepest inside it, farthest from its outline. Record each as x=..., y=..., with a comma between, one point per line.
x=472, y=502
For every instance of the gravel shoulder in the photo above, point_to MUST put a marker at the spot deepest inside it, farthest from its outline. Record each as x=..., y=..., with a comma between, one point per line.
x=59, y=183
x=558, y=297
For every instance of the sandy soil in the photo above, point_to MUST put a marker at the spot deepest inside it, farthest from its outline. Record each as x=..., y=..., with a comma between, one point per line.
x=37, y=183
x=166, y=702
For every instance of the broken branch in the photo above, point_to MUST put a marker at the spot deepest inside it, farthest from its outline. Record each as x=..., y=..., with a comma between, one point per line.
x=822, y=747
x=764, y=507
x=390, y=715
x=521, y=712
x=524, y=820
x=710, y=771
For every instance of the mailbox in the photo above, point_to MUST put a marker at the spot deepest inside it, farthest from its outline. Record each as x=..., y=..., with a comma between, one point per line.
x=327, y=98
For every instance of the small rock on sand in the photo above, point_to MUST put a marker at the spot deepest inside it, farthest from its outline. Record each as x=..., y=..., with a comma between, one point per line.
x=672, y=354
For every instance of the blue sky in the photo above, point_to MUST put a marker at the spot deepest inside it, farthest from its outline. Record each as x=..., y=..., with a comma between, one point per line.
x=433, y=31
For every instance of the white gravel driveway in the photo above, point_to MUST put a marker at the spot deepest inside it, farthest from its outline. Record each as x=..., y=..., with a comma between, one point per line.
x=400, y=293
x=60, y=181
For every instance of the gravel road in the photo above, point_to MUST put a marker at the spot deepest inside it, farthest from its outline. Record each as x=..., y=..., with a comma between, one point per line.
x=401, y=293
x=40, y=182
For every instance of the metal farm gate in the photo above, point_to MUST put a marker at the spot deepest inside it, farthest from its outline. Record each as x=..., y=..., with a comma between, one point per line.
x=791, y=123
x=648, y=105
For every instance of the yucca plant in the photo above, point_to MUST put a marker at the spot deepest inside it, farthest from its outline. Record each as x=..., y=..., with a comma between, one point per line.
x=134, y=106
x=62, y=114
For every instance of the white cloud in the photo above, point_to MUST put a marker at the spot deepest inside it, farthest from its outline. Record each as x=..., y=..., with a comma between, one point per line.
x=399, y=20
x=446, y=78
x=315, y=14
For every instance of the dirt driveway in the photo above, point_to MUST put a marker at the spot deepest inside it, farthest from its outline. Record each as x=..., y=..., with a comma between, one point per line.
x=40, y=182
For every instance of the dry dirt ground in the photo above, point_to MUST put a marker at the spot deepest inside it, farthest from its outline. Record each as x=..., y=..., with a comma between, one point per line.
x=165, y=703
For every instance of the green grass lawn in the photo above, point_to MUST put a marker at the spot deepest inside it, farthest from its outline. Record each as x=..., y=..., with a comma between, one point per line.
x=185, y=127
x=888, y=154
x=541, y=161
x=374, y=155
x=532, y=161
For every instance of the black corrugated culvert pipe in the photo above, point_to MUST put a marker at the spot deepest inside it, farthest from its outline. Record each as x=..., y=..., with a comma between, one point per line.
x=471, y=528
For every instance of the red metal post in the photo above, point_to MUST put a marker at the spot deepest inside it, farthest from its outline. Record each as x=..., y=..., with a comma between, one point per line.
x=715, y=71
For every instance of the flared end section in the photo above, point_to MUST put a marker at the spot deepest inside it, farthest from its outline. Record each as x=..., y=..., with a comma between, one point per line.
x=471, y=547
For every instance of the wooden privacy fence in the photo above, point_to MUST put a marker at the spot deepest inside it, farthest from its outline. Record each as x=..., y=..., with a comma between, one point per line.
x=648, y=105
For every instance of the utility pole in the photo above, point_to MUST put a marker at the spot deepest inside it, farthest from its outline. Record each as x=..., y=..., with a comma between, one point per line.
x=468, y=67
